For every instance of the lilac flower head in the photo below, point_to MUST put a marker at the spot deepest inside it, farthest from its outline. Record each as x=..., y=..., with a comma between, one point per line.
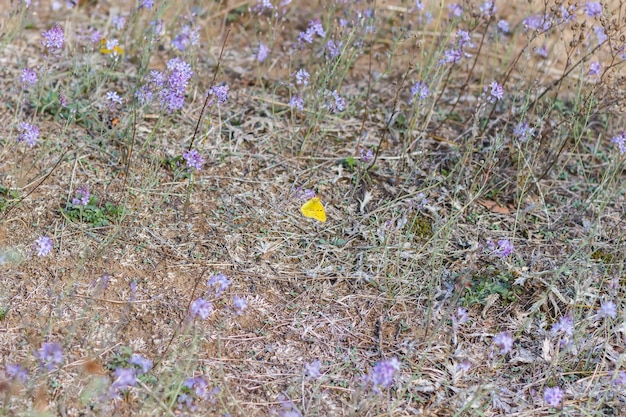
x=194, y=159
x=565, y=326
x=455, y=10
x=262, y=52
x=503, y=26
x=607, y=309
x=367, y=155
x=542, y=51
x=118, y=21
x=262, y=5
x=146, y=4
x=497, y=92
x=595, y=68
x=334, y=48
x=302, y=77
x=82, y=196
x=44, y=246
x=124, y=378
x=593, y=9
x=312, y=370
x=487, y=8
x=199, y=385
x=503, y=341
x=600, y=34
x=114, y=98
x=141, y=362
x=553, y=396
x=53, y=38
x=188, y=36
x=504, y=248
x=419, y=202
x=315, y=28
x=28, y=133
x=17, y=373
x=620, y=140
x=295, y=102
x=201, y=307
x=463, y=39
x=220, y=282
x=172, y=87
x=28, y=77
x=50, y=355
x=219, y=91
x=334, y=102
x=523, y=131
x=419, y=90
x=381, y=376
x=239, y=304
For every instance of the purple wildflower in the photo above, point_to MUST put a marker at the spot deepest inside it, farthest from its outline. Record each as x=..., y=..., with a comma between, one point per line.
x=504, y=249
x=593, y=8
x=194, y=159
x=497, y=92
x=302, y=77
x=553, y=396
x=381, y=376
x=451, y=56
x=542, y=51
x=419, y=202
x=53, y=38
x=44, y=246
x=220, y=282
x=334, y=48
x=262, y=5
x=28, y=77
x=239, y=305
x=262, y=52
x=188, y=36
x=28, y=133
x=419, y=90
x=118, y=21
x=595, y=68
x=296, y=103
x=17, y=373
x=201, y=307
x=455, y=10
x=114, y=98
x=82, y=196
x=620, y=140
x=523, y=132
x=146, y=4
x=487, y=8
x=312, y=370
x=124, y=378
x=600, y=34
x=607, y=309
x=334, y=102
x=141, y=362
x=50, y=355
x=315, y=28
x=366, y=155
x=503, y=341
x=172, y=88
x=565, y=325
x=503, y=26
x=199, y=385
x=221, y=92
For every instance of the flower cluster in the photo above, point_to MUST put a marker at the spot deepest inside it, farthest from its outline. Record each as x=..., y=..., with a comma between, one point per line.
x=28, y=133
x=381, y=376
x=504, y=248
x=170, y=86
x=53, y=39
x=50, y=355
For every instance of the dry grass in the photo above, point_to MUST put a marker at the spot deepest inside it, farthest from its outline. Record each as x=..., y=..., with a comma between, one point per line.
x=378, y=280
